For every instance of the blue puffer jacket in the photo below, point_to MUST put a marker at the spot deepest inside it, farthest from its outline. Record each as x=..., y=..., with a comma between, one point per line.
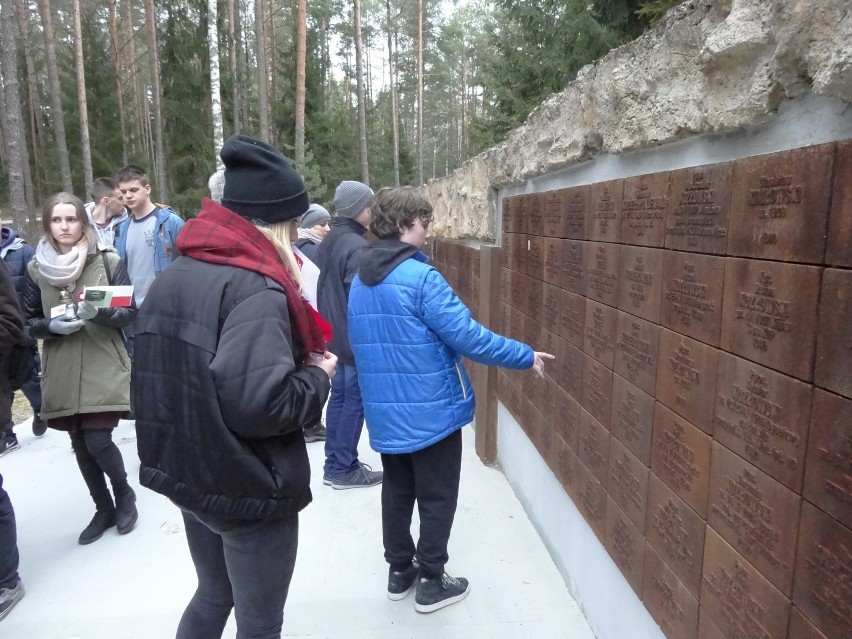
x=408, y=331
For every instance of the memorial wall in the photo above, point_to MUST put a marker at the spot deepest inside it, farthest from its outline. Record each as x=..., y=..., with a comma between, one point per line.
x=699, y=410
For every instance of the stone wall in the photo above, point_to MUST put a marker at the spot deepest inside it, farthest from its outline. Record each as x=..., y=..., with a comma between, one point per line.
x=712, y=66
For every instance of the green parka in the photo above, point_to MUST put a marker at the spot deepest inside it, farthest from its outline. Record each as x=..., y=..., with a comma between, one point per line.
x=87, y=371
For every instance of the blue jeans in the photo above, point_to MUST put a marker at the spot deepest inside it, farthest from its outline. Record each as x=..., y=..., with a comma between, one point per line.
x=244, y=565
x=344, y=419
x=8, y=541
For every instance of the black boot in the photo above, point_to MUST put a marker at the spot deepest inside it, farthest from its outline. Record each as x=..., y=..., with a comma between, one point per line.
x=125, y=509
x=101, y=522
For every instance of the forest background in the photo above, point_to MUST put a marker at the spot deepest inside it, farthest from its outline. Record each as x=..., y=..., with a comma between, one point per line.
x=384, y=91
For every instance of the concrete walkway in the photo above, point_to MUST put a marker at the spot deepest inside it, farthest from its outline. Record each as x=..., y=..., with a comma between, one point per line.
x=136, y=586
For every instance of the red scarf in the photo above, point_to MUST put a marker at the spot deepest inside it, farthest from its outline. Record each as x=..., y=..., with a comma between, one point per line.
x=220, y=236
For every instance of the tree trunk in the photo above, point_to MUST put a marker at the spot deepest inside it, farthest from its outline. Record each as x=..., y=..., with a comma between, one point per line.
x=262, y=99
x=116, y=70
x=362, y=108
x=419, y=92
x=56, y=95
x=156, y=92
x=394, y=103
x=232, y=61
x=301, y=44
x=88, y=178
x=269, y=47
x=13, y=122
x=135, y=103
x=215, y=89
x=33, y=101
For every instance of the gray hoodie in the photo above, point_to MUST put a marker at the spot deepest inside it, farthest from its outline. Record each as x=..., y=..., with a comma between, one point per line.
x=106, y=236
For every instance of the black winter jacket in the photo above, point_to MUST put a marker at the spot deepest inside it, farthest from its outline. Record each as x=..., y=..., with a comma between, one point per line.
x=220, y=402
x=337, y=260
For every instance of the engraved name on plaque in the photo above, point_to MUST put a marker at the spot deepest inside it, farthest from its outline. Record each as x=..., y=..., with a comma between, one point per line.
x=700, y=201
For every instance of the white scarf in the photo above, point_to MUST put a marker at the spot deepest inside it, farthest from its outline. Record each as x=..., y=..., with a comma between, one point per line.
x=310, y=234
x=62, y=271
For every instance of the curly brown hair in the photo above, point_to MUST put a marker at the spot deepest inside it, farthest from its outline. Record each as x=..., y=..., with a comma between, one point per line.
x=394, y=209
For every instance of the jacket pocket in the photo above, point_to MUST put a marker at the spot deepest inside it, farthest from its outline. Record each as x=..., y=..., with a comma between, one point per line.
x=461, y=381
x=119, y=356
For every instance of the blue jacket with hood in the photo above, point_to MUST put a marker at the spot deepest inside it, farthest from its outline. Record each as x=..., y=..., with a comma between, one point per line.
x=169, y=224
x=408, y=330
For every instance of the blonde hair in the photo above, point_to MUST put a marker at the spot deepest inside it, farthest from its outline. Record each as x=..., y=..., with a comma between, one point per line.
x=279, y=235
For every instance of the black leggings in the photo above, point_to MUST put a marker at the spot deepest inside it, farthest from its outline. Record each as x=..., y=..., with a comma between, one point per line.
x=97, y=455
x=244, y=565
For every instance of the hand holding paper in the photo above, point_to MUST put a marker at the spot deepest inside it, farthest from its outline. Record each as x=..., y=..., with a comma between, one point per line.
x=86, y=310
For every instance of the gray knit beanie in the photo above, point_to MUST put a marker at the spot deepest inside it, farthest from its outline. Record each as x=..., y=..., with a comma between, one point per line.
x=316, y=215
x=350, y=198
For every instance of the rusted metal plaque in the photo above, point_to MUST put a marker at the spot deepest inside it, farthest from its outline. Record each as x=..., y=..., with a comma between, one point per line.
x=670, y=603
x=692, y=295
x=605, y=211
x=839, y=249
x=552, y=307
x=594, y=447
x=752, y=512
x=569, y=364
x=834, y=338
x=823, y=588
x=535, y=256
x=779, y=207
x=573, y=277
x=676, y=532
x=535, y=214
x=643, y=209
x=591, y=500
x=532, y=330
x=699, y=206
x=601, y=324
x=739, y=600
x=514, y=251
x=566, y=467
x=553, y=260
x=640, y=283
x=576, y=207
x=553, y=225
x=763, y=416
x=686, y=378
x=680, y=456
x=632, y=420
x=602, y=272
x=801, y=628
x=707, y=628
x=572, y=322
x=828, y=474
x=534, y=306
x=597, y=390
x=627, y=483
x=636, y=350
x=625, y=544
x=568, y=418
x=505, y=285
x=769, y=314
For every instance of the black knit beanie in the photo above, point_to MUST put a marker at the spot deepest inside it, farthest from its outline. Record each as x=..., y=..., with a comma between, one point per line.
x=260, y=183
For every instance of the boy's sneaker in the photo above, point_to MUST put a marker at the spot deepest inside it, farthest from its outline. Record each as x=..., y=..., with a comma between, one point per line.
x=315, y=433
x=9, y=597
x=326, y=479
x=440, y=592
x=362, y=477
x=400, y=583
x=8, y=443
x=39, y=426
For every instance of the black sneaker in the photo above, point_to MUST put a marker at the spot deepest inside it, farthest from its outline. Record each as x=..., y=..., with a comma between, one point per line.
x=400, y=583
x=9, y=597
x=8, y=443
x=39, y=426
x=315, y=433
x=362, y=477
x=440, y=592
x=101, y=522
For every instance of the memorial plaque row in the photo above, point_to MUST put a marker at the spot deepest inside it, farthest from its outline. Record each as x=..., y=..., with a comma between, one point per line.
x=699, y=410
x=788, y=317
x=777, y=206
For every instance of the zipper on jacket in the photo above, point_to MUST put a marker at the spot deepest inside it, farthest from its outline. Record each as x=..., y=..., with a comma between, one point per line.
x=461, y=381
x=120, y=358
